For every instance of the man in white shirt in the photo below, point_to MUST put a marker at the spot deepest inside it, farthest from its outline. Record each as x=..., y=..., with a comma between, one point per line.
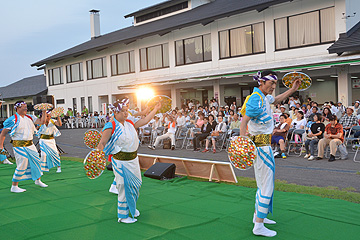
x=170, y=134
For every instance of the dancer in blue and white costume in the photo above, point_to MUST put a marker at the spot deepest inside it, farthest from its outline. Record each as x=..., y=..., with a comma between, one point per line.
x=50, y=156
x=21, y=129
x=122, y=143
x=257, y=115
x=3, y=158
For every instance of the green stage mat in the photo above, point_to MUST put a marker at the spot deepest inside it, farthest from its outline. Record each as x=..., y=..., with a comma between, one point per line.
x=74, y=207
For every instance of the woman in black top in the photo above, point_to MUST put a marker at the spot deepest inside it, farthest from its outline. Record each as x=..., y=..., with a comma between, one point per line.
x=212, y=122
x=317, y=132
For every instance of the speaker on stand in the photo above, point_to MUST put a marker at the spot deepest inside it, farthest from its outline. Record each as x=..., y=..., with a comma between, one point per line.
x=161, y=171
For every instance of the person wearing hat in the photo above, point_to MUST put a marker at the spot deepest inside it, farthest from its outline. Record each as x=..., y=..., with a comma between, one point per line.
x=258, y=118
x=349, y=120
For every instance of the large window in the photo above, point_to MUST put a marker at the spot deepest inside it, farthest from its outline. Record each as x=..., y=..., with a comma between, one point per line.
x=55, y=76
x=242, y=41
x=122, y=63
x=162, y=12
x=96, y=68
x=74, y=72
x=154, y=57
x=90, y=105
x=305, y=29
x=193, y=50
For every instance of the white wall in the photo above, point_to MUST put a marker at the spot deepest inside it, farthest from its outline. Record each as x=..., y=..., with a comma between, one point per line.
x=352, y=6
x=108, y=86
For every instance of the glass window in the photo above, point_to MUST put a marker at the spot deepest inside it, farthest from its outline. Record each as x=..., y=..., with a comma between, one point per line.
x=132, y=61
x=224, y=44
x=327, y=19
x=242, y=41
x=55, y=76
x=154, y=57
x=74, y=72
x=96, y=68
x=90, y=105
x=179, y=51
x=193, y=50
x=281, y=33
x=305, y=29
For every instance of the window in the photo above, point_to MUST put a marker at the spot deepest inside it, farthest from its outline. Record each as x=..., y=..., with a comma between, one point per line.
x=82, y=103
x=193, y=50
x=74, y=106
x=242, y=41
x=305, y=29
x=96, y=68
x=3, y=112
x=154, y=57
x=74, y=72
x=162, y=12
x=55, y=76
x=122, y=63
x=90, y=105
x=60, y=101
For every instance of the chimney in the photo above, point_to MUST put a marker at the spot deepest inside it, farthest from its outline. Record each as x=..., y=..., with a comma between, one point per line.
x=95, y=23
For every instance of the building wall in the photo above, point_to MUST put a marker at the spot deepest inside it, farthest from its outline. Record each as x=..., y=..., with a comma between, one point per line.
x=108, y=86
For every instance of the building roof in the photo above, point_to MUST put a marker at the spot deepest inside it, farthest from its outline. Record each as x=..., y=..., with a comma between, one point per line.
x=347, y=42
x=154, y=7
x=25, y=87
x=203, y=14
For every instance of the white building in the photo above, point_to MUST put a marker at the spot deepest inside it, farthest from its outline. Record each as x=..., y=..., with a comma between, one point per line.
x=201, y=49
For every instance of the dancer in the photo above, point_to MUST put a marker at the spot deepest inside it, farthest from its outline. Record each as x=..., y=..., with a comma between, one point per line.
x=120, y=139
x=3, y=158
x=50, y=156
x=257, y=116
x=21, y=127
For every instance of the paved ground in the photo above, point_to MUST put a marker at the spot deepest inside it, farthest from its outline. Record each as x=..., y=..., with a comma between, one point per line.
x=341, y=173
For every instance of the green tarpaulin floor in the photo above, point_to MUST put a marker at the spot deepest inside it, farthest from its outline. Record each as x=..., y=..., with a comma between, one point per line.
x=74, y=207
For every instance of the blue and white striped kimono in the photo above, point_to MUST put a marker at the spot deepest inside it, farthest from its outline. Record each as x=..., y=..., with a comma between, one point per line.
x=2, y=157
x=27, y=158
x=49, y=153
x=261, y=122
x=127, y=173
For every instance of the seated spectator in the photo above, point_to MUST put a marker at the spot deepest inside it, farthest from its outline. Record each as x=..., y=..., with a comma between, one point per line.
x=349, y=120
x=299, y=122
x=312, y=138
x=326, y=114
x=288, y=120
x=204, y=132
x=212, y=122
x=235, y=123
x=279, y=134
x=200, y=120
x=341, y=109
x=180, y=120
x=314, y=110
x=170, y=134
x=293, y=112
x=357, y=108
x=219, y=129
x=333, y=136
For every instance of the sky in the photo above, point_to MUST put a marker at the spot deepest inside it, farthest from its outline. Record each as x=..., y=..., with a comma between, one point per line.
x=41, y=28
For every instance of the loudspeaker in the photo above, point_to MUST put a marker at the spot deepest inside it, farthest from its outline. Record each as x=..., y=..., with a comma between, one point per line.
x=161, y=171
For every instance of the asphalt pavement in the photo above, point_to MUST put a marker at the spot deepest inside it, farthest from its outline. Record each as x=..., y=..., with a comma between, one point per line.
x=294, y=169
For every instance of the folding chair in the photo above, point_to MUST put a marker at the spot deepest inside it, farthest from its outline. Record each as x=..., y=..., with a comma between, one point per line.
x=189, y=137
x=143, y=136
x=356, y=147
x=221, y=141
x=181, y=137
x=294, y=143
x=350, y=136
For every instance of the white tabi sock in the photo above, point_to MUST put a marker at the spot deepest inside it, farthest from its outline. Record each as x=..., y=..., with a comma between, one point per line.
x=113, y=189
x=137, y=213
x=266, y=220
x=6, y=161
x=16, y=189
x=40, y=183
x=127, y=220
x=260, y=229
x=58, y=170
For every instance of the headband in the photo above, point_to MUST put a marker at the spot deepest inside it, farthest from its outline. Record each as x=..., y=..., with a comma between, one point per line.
x=258, y=77
x=119, y=105
x=19, y=104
